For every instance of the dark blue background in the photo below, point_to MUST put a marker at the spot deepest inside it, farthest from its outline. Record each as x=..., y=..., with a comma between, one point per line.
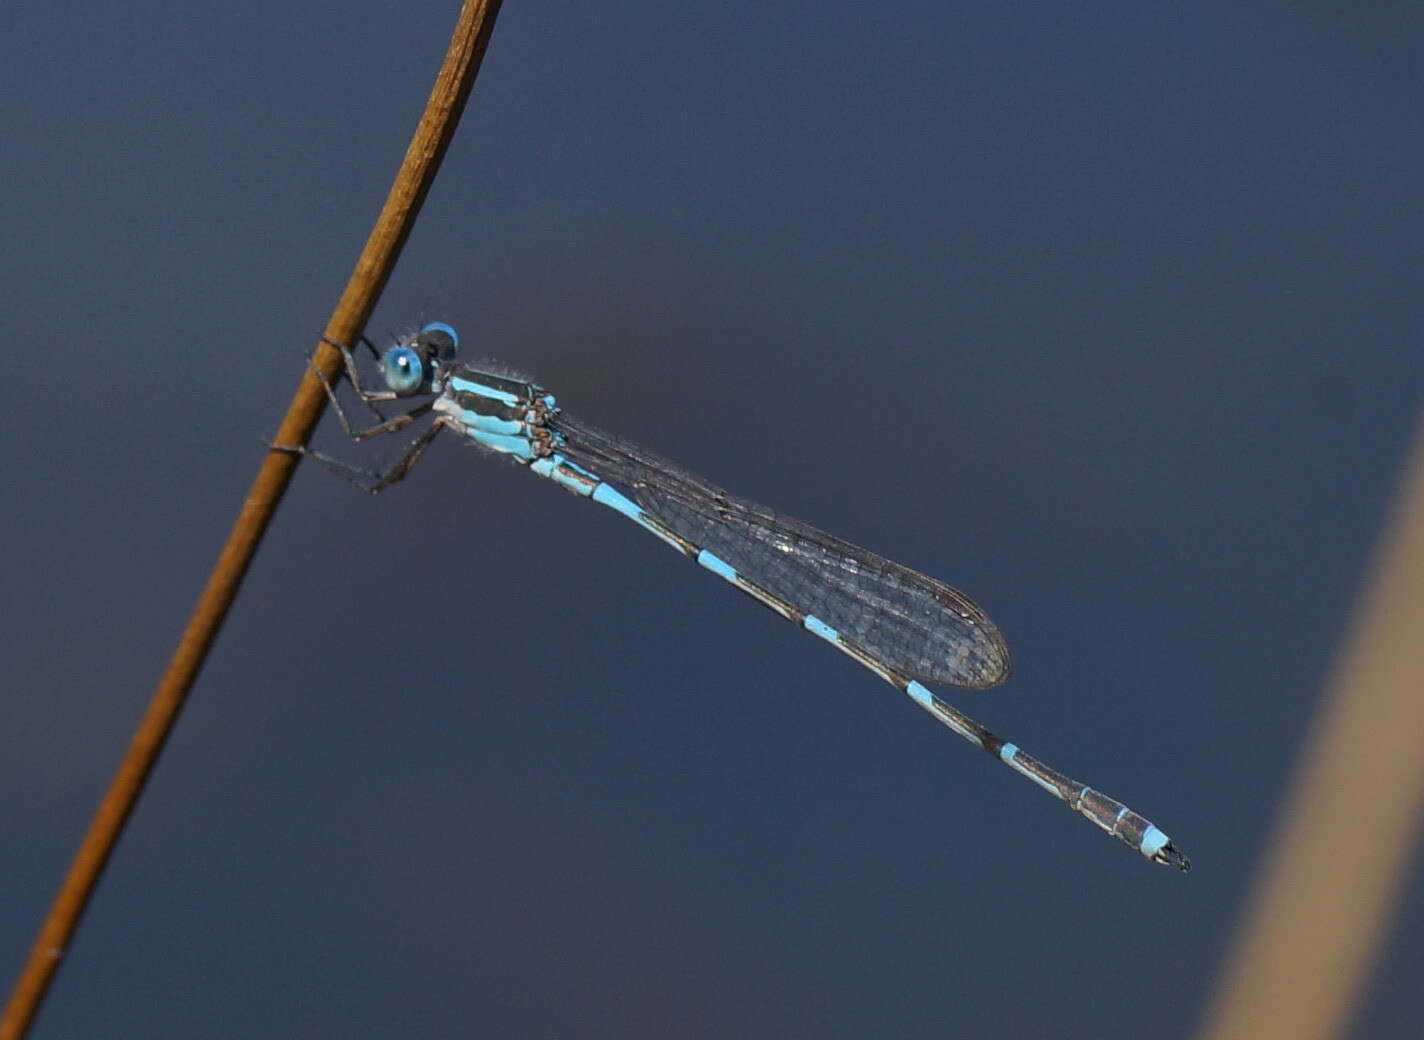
x=1109, y=317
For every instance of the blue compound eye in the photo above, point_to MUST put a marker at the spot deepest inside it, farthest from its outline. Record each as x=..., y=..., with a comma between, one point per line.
x=439, y=342
x=438, y=331
x=403, y=370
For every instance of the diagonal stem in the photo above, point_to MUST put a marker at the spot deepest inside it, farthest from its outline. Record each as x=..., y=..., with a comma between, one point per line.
x=422, y=158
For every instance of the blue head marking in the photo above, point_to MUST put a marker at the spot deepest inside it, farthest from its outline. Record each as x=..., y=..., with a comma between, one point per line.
x=440, y=326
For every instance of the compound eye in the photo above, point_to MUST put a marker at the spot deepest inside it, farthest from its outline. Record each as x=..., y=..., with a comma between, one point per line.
x=441, y=341
x=403, y=370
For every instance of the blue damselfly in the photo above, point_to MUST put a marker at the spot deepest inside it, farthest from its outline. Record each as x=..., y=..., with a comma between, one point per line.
x=905, y=627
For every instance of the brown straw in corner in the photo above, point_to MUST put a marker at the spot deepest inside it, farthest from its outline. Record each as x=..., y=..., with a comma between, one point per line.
x=383, y=247
x=1342, y=852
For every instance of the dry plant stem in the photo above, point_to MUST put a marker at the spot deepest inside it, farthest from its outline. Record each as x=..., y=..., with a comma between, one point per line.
x=427, y=147
x=1341, y=854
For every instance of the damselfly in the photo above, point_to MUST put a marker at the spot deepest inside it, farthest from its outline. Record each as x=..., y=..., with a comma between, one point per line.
x=903, y=626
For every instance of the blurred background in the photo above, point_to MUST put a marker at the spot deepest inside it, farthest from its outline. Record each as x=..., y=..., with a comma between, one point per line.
x=1108, y=317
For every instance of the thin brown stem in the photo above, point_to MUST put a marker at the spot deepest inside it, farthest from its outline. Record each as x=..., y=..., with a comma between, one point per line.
x=422, y=158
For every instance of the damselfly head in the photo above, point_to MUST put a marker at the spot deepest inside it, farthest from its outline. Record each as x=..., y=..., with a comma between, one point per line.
x=416, y=362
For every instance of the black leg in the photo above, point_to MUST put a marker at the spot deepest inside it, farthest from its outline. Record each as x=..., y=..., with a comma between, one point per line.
x=365, y=479
x=354, y=377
